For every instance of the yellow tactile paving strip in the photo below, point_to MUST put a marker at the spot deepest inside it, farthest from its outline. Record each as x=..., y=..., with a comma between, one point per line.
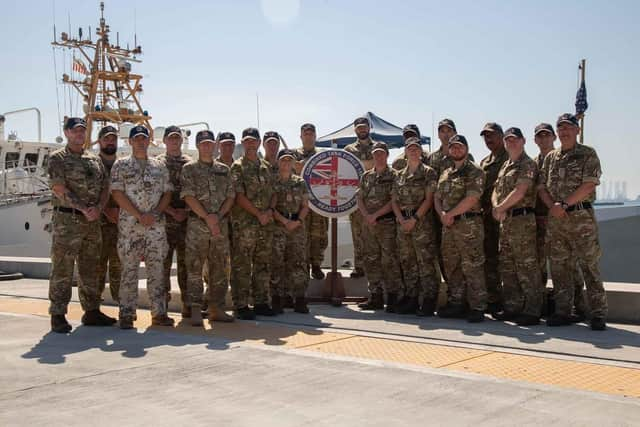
x=562, y=373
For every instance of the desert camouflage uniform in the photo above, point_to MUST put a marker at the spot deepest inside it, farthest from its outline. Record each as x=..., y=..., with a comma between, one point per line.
x=462, y=243
x=211, y=185
x=251, y=248
x=109, y=250
x=416, y=249
x=176, y=231
x=575, y=237
x=144, y=184
x=518, y=265
x=289, y=272
x=491, y=166
x=75, y=240
x=316, y=226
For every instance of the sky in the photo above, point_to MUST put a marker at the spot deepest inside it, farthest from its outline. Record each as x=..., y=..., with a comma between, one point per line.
x=327, y=61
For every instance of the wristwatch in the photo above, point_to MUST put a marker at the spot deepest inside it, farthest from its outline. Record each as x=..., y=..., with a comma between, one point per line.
x=564, y=205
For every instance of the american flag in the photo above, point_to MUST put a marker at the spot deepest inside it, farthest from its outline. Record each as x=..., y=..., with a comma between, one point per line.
x=581, y=100
x=79, y=67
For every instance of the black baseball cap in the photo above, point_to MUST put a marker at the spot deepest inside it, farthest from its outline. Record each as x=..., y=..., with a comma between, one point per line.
x=512, y=131
x=544, y=127
x=271, y=135
x=226, y=137
x=379, y=145
x=138, y=130
x=459, y=139
x=567, y=118
x=74, y=122
x=411, y=128
x=307, y=126
x=491, y=127
x=361, y=121
x=251, y=133
x=412, y=141
x=286, y=153
x=107, y=130
x=448, y=123
x=205, y=135
x=172, y=130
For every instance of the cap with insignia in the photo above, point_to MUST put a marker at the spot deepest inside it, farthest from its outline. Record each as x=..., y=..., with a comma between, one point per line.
x=411, y=128
x=250, y=133
x=138, y=130
x=567, y=118
x=74, y=122
x=308, y=126
x=412, y=141
x=171, y=130
x=205, y=136
x=491, y=127
x=544, y=127
x=286, y=153
x=459, y=139
x=271, y=136
x=378, y=146
x=361, y=121
x=107, y=130
x=226, y=137
x=512, y=131
x=448, y=123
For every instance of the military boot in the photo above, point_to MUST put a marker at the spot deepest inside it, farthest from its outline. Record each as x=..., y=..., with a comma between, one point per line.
x=125, y=322
x=276, y=304
x=196, y=315
x=97, y=318
x=301, y=306
x=245, y=313
x=162, y=320
x=475, y=316
x=452, y=311
x=558, y=320
x=598, y=324
x=59, y=324
x=391, y=302
x=316, y=272
x=263, y=310
x=357, y=273
x=217, y=314
x=527, y=320
x=287, y=301
x=186, y=311
x=427, y=308
x=410, y=307
x=375, y=302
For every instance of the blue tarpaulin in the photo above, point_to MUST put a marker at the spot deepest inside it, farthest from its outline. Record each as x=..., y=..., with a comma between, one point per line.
x=381, y=130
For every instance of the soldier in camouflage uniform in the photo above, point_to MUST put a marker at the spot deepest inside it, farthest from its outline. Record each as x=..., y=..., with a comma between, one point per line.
x=207, y=189
x=251, y=224
x=412, y=200
x=457, y=201
x=227, y=145
x=142, y=188
x=316, y=226
x=80, y=185
x=493, y=135
x=109, y=260
x=289, y=271
x=362, y=150
x=379, y=232
x=567, y=186
x=409, y=131
x=175, y=214
x=271, y=143
x=513, y=200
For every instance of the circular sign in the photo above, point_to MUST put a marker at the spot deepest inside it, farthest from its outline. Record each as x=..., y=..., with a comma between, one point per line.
x=332, y=177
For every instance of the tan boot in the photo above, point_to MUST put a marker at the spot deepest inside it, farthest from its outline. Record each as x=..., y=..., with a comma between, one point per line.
x=196, y=315
x=217, y=314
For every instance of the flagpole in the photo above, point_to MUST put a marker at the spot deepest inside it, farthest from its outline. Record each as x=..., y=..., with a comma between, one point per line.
x=583, y=64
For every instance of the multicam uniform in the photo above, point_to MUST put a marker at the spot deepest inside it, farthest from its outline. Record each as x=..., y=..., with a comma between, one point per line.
x=109, y=250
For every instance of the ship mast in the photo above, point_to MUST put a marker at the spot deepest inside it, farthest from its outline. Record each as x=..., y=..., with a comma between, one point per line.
x=110, y=91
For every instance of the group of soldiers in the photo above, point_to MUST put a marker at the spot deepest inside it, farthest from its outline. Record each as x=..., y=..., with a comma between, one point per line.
x=247, y=223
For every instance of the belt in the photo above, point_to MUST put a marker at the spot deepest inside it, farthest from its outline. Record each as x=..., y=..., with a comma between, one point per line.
x=579, y=206
x=290, y=216
x=388, y=215
x=408, y=213
x=521, y=211
x=467, y=215
x=67, y=210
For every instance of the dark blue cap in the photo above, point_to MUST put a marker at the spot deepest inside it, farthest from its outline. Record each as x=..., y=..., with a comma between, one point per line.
x=171, y=130
x=567, y=118
x=205, y=135
x=361, y=121
x=513, y=132
x=251, y=133
x=286, y=153
x=271, y=135
x=411, y=128
x=491, y=127
x=544, y=127
x=74, y=122
x=107, y=130
x=308, y=126
x=138, y=130
x=458, y=139
x=226, y=137
x=448, y=123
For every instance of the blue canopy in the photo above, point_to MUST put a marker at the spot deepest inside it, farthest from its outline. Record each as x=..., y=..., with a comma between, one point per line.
x=381, y=130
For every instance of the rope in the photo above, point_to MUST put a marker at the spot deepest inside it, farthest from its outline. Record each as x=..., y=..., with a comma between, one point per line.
x=55, y=77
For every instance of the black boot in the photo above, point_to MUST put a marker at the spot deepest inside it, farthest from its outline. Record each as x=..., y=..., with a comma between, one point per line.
x=263, y=310
x=97, y=318
x=451, y=311
x=558, y=320
x=410, y=307
x=375, y=302
x=276, y=304
x=301, y=306
x=59, y=324
x=287, y=301
x=427, y=308
x=316, y=272
x=391, y=302
x=357, y=273
x=493, y=308
x=475, y=316
x=598, y=324
x=504, y=316
x=245, y=313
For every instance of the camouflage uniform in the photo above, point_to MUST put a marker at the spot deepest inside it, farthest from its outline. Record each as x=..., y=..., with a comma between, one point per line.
x=518, y=265
x=176, y=231
x=416, y=249
x=491, y=166
x=251, y=248
x=109, y=250
x=362, y=152
x=575, y=237
x=289, y=266
x=144, y=185
x=211, y=185
x=462, y=243
x=316, y=226
x=75, y=240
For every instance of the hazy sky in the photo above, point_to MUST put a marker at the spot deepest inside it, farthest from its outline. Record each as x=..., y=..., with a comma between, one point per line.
x=514, y=62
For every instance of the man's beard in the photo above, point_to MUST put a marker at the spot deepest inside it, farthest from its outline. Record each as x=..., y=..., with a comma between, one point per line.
x=108, y=150
x=362, y=137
